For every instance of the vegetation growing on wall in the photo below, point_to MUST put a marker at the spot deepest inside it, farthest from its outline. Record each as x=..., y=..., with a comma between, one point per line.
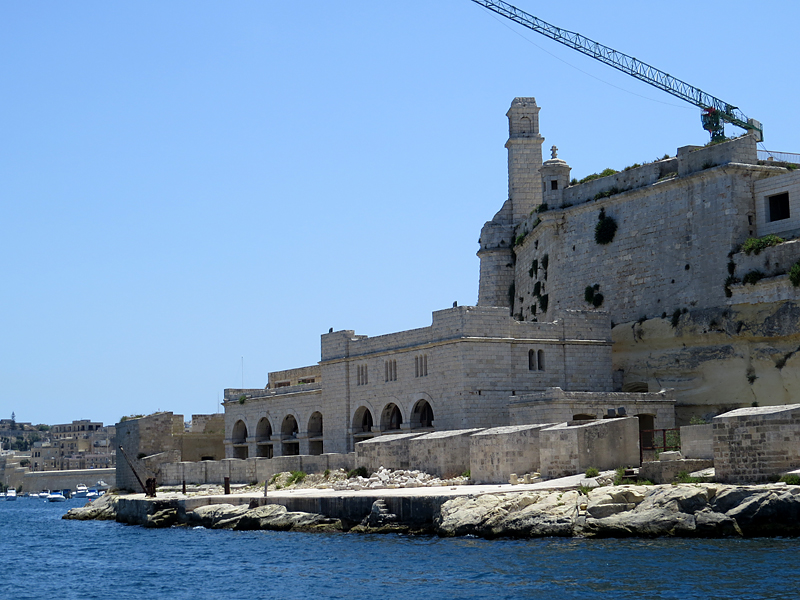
x=731, y=280
x=753, y=277
x=756, y=245
x=794, y=274
x=593, y=176
x=605, y=229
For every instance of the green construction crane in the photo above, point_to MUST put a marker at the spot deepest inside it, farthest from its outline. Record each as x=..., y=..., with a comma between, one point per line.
x=715, y=112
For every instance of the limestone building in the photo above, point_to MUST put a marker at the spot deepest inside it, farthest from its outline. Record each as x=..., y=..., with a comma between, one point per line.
x=595, y=298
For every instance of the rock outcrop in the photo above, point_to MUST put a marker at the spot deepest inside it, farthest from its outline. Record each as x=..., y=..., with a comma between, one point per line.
x=102, y=509
x=272, y=517
x=699, y=510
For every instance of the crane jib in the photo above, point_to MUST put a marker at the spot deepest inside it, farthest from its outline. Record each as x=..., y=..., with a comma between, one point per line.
x=715, y=111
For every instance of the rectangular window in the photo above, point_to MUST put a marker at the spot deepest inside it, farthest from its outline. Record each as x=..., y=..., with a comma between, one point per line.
x=779, y=207
x=554, y=184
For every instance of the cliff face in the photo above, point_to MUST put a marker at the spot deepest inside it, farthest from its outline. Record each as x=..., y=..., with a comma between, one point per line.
x=717, y=359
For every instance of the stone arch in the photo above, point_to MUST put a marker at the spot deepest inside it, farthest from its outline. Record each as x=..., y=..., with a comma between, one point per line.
x=264, y=438
x=290, y=446
x=315, y=433
x=239, y=440
x=525, y=126
x=263, y=430
x=422, y=414
x=239, y=433
x=391, y=417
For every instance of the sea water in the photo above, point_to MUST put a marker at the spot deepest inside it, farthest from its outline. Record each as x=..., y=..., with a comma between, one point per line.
x=43, y=556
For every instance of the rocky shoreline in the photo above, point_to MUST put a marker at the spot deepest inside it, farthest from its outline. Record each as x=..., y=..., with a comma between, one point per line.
x=682, y=510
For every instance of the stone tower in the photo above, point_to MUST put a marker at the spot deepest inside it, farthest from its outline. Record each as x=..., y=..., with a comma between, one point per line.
x=524, y=195
x=524, y=157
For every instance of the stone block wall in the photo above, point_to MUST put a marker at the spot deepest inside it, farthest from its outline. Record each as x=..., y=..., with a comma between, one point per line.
x=754, y=444
x=250, y=470
x=388, y=451
x=443, y=453
x=571, y=448
x=496, y=453
x=670, y=249
x=697, y=441
x=143, y=437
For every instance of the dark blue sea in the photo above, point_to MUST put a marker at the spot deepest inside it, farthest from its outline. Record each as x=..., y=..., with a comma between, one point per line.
x=42, y=556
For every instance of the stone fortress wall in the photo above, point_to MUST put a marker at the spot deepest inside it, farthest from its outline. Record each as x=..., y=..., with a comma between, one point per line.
x=680, y=223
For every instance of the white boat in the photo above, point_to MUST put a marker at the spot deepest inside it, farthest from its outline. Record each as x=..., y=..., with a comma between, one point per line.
x=56, y=497
x=81, y=491
x=92, y=494
x=44, y=494
x=11, y=494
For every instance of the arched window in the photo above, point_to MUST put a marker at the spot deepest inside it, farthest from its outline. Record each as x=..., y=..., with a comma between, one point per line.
x=531, y=360
x=540, y=359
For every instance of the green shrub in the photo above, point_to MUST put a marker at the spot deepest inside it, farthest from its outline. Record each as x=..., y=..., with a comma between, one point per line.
x=242, y=399
x=359, y=472
x=326, y=473
x=466, y=474
x=593, y=176
x=753, y=277
x=592, y=472
x=605, y=229
x=794, y=274
x=597, y=301
x=684, y=477
x=731, y=267
x=273, y=479
x=542, y=207
x=791, y=479
x=756, y=245
x=296, y=477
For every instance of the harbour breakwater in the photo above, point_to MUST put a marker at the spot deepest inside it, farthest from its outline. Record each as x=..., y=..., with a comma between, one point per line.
x=682, y=510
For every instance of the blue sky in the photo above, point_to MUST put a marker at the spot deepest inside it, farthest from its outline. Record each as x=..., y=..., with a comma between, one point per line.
x=187, y=185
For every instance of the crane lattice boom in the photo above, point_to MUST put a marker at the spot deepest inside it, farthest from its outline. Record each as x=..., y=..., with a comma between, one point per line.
x=715, y=111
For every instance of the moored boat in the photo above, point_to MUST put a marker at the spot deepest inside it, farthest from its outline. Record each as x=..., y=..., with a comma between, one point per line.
x=11, y=494
x=56, y=496
x=44, y=494
x=80, y=491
